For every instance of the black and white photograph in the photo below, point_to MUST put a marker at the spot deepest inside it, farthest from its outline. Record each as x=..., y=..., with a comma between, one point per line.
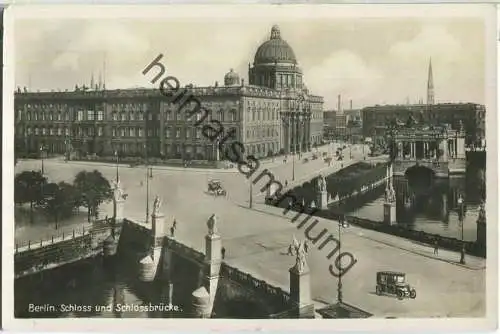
x=250, y=162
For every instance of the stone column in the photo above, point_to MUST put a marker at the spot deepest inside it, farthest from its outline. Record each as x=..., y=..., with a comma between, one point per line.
x=290, y=134
x=213, y=260
x=309, y=133
x=118, y=208
x=390, y=199
x=200, y=303
x=300, y=288
x=322, y=194
x=444, y=206
x=481, y=229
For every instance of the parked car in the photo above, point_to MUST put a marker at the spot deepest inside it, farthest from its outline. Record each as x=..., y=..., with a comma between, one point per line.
x=393, y=283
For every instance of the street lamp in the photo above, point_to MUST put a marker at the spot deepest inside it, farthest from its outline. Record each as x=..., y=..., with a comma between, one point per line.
x=41, y=155
x=461, y=215
x=341, y=224
x=116, y=156
x=251, y=194
x=149, y=174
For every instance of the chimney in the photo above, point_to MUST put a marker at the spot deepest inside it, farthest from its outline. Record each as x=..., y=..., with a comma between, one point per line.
x=350, y=104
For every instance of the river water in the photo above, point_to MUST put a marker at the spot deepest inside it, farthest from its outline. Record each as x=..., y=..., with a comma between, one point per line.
x=430, y=205
x=92, y=288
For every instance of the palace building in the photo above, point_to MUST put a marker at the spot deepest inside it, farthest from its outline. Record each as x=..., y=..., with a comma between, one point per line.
x=274, y=113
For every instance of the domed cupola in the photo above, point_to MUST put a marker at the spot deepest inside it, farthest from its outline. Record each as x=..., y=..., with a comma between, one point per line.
x=231, y=78
x=275, y=50
x=275, y=65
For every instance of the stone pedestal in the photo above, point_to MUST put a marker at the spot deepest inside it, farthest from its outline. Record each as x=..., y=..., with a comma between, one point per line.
x=300, y=292
x=322, y=200
x=159, y=227
x=200, y=303
x=213, y=259
x=147, y=269
x=390, y=213
x=118, y=209
x=110, y=246
x=481, y=235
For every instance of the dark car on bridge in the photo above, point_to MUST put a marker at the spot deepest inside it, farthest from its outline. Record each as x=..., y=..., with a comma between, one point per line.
x=393, y=283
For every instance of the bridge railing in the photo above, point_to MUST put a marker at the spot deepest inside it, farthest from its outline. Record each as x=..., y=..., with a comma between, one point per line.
x=276, y=297
x=26, y=245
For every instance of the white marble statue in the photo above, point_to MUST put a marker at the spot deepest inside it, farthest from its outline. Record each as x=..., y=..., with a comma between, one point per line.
x=156, y=206
x=300, y=256
x=390, y=194
x=321, y=183
x=212, y=224
x=118, y=193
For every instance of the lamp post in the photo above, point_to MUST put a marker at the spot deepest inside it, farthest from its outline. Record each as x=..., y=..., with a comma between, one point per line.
x=341, y=225
x=117, y=175
x=149, y=174
x=461, y=214
x=350, y=143
x=41, y=155
x=251, y=194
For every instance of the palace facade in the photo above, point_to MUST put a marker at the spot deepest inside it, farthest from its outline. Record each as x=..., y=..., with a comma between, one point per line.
x=274, y=113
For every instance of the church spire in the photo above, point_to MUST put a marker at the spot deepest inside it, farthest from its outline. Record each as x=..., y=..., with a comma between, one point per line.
x=430, y=85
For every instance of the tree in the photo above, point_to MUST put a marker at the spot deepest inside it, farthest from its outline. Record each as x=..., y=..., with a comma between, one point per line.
x=94, y=189
x=29, y=188
x=60, y=200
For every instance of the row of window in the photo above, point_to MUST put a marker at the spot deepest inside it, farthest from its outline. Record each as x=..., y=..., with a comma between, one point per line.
x=91, y=115
x=63, y=131
x=114, y=106
x=262, y=132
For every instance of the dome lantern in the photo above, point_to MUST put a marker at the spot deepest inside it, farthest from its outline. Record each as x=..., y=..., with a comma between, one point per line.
x=231, y=78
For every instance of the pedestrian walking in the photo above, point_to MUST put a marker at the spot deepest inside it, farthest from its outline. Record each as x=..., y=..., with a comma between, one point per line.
x=223, y=252
x=436, y=247
x=172, y=231
x=290, y=250
x=286, y=183
x=174, y=225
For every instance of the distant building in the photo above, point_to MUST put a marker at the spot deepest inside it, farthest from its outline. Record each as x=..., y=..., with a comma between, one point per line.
x=329, y=124
x=275, y=113
x=472, y=116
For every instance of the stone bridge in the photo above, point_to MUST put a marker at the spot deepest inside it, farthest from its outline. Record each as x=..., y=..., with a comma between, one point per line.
x=351, y=182
x=62, y=250
x=202, y=282
x=199, y=282
x=439, y=168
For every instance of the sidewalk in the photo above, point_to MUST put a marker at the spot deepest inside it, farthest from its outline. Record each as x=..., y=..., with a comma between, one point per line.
x=451, y=257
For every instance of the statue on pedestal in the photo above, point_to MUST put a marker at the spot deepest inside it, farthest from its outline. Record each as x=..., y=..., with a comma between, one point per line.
x=118, y=193
x=300, y=256
x=390, y=194
x=212, y=225
x=156, y=206
x=321, y=183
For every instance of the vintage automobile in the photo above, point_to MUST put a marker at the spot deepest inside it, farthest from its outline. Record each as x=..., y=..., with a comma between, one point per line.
x=393, y=283
x=215, y=188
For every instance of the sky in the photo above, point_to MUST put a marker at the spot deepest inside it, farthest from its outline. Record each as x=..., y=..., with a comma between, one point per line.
x=367, y=60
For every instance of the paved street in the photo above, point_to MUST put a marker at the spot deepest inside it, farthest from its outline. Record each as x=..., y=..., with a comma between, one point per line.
x=256, y=239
